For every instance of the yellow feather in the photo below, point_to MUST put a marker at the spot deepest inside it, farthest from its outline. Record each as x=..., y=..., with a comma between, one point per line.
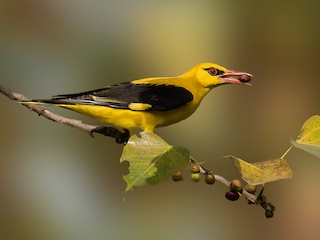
x=139, y=106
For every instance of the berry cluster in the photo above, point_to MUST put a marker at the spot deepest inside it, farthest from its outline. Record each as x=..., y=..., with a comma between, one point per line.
x=196, y=175
x=235, y=190
x=235, y=187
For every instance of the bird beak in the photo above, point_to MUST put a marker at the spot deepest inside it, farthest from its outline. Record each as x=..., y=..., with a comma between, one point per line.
x=236, y=77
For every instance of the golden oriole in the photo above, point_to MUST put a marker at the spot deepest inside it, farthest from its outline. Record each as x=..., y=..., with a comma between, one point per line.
x=150, y=102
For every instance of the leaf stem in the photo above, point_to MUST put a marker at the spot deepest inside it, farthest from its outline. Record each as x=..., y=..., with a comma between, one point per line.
x=283, y=156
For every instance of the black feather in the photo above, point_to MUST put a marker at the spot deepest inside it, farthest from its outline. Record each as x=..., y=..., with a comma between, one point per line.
x=160, y=97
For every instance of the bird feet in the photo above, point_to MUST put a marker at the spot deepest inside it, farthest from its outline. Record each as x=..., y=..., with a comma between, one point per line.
x=121, y=137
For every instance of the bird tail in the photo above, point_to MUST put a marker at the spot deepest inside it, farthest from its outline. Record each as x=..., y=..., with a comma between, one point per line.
x=52, y=101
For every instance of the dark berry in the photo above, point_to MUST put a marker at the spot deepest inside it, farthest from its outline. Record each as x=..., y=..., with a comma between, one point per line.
x=269, y=213
x=177, y=177
x=232, y=196
x=209, y=178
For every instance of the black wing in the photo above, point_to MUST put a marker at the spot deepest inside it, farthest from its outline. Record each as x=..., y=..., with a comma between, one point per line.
x=159, y=97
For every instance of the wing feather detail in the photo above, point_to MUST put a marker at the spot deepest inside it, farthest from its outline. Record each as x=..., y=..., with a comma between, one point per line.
x=124, y=95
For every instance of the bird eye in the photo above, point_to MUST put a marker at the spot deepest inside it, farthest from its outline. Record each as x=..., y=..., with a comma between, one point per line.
x=212, y=71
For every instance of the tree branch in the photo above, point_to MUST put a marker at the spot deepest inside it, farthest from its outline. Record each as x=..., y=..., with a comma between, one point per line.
x=250, y=197
x=260, y=200
x=121, y=137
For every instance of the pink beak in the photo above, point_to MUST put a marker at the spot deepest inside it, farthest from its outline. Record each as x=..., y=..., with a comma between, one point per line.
x=236, y=77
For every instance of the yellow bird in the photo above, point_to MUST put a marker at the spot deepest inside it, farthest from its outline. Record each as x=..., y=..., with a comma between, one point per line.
x=150, y=102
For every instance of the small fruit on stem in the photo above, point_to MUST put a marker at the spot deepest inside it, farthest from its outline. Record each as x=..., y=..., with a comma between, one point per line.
x=232, y=196
x=269, y=213
x=196, y=177
x=236, y=185
x=176, y=177
x=209, y=178
x=250, y=188
x=195, y=168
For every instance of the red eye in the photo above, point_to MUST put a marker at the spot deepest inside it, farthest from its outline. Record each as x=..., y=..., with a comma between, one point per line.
x=213, y=71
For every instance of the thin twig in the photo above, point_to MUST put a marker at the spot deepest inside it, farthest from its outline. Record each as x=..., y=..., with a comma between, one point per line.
x=42, y=111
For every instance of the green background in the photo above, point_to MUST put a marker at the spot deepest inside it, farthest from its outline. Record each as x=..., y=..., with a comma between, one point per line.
x=56, y=182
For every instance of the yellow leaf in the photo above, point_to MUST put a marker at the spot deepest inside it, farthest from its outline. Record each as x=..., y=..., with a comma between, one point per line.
x=262, y=172
x=309, y=137
x=151, y=159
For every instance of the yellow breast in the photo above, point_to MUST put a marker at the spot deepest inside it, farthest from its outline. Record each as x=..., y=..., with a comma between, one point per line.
x=126, y=118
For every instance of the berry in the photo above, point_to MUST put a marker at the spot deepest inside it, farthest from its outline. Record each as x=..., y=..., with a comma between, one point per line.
x=236, y=185
x=177, y=177
x=209, y=178
x=196, y=177
x=251, y=188
x=232, y=196
x=195, y=169
x=268, y=213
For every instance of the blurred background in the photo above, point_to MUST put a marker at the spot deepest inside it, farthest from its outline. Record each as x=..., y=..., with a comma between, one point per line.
x=56, y=182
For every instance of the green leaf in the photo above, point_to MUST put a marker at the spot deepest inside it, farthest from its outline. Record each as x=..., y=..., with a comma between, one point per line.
x=151, y=159
x=263, y=172
x=309, y=137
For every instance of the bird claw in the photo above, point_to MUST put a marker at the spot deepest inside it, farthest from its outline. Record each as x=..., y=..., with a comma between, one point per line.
x=121, y=137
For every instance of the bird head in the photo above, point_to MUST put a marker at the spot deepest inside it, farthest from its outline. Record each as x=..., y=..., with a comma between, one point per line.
x=211, y=75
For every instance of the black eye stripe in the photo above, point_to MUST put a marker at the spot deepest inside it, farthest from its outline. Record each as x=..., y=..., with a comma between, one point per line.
x=219, y=72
